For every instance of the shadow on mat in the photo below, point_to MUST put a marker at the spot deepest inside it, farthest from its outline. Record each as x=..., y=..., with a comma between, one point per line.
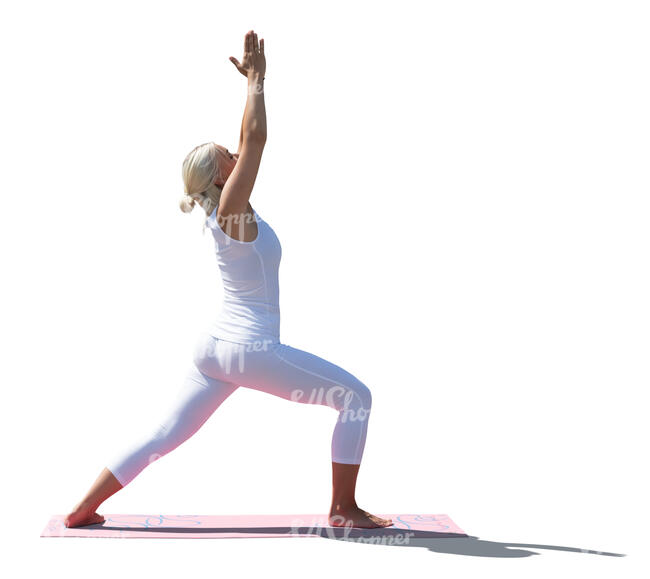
x=451, y=543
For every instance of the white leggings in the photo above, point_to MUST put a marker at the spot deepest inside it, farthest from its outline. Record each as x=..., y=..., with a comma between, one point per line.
x=220, y=367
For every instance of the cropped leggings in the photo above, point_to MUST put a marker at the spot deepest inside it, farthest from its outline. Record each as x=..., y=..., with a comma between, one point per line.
x=220, y=367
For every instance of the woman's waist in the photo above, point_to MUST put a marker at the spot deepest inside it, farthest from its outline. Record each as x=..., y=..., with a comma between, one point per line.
x=239, y=303
x=258, y=333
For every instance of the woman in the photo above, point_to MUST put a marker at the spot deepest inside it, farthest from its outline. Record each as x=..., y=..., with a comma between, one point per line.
x=243, y=347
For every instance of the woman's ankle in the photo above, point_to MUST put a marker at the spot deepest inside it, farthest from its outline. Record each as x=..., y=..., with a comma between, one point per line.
x=343, y=505
x=87, y=505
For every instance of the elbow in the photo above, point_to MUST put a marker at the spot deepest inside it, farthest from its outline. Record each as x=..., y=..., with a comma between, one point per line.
x=255, y=135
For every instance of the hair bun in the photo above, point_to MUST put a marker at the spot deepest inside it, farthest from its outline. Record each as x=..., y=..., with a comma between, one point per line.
x=186, y=204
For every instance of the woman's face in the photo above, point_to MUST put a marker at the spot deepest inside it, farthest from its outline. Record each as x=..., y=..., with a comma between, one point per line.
x=226, y=162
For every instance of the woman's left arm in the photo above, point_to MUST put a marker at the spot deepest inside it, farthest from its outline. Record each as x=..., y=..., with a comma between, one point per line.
x=244, y=72
x=241, y=131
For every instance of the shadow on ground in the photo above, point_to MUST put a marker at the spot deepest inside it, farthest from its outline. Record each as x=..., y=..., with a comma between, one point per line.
x=450, y=543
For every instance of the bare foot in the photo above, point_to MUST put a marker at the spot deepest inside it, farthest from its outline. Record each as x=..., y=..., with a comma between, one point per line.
x=356, y=517
x=82, y=516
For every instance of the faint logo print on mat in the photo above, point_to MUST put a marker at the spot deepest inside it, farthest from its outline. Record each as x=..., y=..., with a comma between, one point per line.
x=342, y=532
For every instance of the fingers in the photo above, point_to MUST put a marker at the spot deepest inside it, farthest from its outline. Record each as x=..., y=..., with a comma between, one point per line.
x=251, y=43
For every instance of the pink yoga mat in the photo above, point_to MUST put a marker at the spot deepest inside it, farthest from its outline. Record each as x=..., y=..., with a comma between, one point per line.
x=403, y=528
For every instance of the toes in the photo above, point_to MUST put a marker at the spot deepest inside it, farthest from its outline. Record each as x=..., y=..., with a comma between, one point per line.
x=362, y=519
x=75, y=521
x=380, y=521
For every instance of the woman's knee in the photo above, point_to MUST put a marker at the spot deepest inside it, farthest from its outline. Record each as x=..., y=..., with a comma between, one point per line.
x=364, y=394
x=355, y=396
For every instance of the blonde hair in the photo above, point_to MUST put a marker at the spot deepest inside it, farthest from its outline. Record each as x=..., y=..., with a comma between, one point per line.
x=200, y=169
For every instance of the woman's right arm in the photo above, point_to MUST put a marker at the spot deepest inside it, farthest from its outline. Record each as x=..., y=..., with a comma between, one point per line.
x=239, y=185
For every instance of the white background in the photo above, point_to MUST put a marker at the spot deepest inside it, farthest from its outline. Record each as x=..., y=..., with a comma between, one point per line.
x=461, y=193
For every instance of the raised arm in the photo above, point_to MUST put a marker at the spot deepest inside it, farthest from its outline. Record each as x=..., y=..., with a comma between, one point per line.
x=241, y=130
x=239, y=185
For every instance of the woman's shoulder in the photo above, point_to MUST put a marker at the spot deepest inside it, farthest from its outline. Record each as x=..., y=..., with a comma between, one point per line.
x=243, y=227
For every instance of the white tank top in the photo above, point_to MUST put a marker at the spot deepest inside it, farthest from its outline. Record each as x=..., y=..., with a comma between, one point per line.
x=250, y=311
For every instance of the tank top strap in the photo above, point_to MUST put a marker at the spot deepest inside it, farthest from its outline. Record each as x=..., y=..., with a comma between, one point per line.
x=213, y=223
